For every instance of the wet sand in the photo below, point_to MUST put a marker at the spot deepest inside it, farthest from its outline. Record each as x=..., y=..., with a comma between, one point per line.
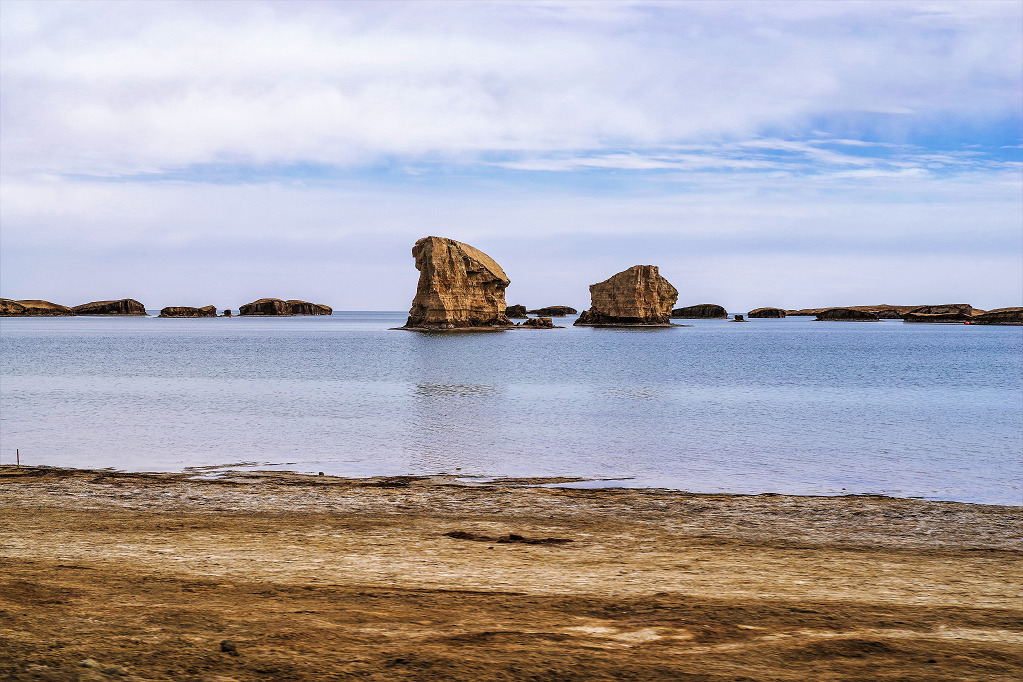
x=270, y=576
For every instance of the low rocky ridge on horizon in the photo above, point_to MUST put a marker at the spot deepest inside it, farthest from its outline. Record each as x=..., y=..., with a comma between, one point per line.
x=766, y=313
x=460, y=287
x=554, y=311
x=702, y=311
x=186, y=311
x=638, y=296
x=275, y=307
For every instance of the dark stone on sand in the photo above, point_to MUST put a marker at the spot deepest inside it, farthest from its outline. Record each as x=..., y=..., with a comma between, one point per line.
x=766, y=313
x=554, y=311
x=510, y=538
x=846, y=315
x=516, y=311
x=123, y=306
x=186, y=311
x=703, y=311
x=229, y=647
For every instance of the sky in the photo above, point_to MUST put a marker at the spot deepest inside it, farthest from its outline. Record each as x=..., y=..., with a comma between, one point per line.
x=789, y=154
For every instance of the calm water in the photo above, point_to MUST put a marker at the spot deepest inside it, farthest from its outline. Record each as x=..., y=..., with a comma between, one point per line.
x=789, y=405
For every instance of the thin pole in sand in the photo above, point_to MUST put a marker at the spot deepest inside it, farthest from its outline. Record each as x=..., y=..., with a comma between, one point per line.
x=17, y=453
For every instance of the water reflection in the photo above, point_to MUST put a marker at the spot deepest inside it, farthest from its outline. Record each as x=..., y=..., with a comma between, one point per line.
x=455, y=390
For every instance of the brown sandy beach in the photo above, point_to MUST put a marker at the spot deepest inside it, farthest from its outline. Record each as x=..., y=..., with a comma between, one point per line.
x=269, y=576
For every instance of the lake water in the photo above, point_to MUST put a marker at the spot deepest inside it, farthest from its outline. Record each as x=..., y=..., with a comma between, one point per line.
x=787, y=406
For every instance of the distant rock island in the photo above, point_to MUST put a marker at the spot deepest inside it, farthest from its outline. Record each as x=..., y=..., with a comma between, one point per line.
x=31, y=308
x=702, y=311
x=460, y=287
x=122, y=306
x=766, y=313
x=275, y=307
x=516, y=311
x=638, y=296
x=847, y=315
x=185, y=311
x=554, y=311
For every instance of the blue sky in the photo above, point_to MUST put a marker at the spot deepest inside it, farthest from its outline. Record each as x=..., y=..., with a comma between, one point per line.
x=761, y=153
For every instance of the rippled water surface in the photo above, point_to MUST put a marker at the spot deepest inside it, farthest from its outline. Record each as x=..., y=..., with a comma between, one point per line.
x=791, y=405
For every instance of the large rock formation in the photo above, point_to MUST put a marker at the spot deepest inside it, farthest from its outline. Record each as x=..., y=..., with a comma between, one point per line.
x=554, y=311
x=275, y=307
x=186, y=311
x=948, y=313
x=703, y=311
x=884, y=311
x=847, y=315
x=516, y=311
x=307, y=308
x=637, y=296
x=460, y=287
x=1013, y=316
x=766, y=313
x=31, y=308
x=123, y=306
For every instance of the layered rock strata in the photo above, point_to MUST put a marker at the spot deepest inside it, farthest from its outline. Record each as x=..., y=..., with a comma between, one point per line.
x=460, y=287
x=275, y=307
x=186, y=311
x=703, y=311
x=554, y=311
x=516, y=311
x=123, y=306
x=31, y=308
x=766, y=313
x=846, y=315
x=637, y=296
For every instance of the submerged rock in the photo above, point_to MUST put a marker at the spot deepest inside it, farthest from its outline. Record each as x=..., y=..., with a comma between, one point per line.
x=766, y=313
x=123, y=306
x=539, y=323
x=31, y=308
x=460, y=287
x=516, y=311
x=703, y=311
x=846, y=315
x=637, y=296
x=554, y=311
x=186, y=311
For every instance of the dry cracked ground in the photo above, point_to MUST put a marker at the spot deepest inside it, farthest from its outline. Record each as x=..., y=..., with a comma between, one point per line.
x=269, y=576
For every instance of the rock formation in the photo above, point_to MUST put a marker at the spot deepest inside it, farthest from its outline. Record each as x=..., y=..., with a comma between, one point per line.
x=884, y=311
x=266, y=306
x=1013, y=316
x=946, y=309
x=31, y=308
x=739, y=318
x=516, y=311
x=124, y=306
x=554, y=311
x=186, y=311
x=637, y=296
x=460, y=287
x=703, y=311
x=847, y=315
x=766, y=313
x=307, y=308
x=227, y=312
x=539, y=323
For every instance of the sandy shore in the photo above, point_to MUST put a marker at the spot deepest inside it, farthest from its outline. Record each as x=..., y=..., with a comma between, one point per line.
x=308, y=577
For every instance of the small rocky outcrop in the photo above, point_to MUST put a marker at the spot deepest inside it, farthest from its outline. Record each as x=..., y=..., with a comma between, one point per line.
x=846, y=315
x=227, y=312
x=554, y=311
x=31, y=308
x=739, y=318
x=1013, y=316
x=123, y=306
x=307, y=308
x=460, y=287
x=946, y=309
x=637, y=296
x=186, y=311
x=766, y=313
x=266, y=307
x=516, y=311
x=703, y=311
x=539, y=323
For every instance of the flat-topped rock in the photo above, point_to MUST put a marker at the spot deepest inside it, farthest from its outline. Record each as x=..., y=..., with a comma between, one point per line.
x=276, y=307
x=186, y=311
x=554, y=311
x=307, y=308
x=516, y=311
x=847, y=315
x=1013, y=316
x=638, y=296
x=460, y=287
x=122, y=306
x=766, y=313
x=32, y=308
x=884, y=311
x=702, y=311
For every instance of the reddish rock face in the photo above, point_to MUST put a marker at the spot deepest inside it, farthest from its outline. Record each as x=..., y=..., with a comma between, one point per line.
x=124, y=306
x=637, y=296
x=459, y=287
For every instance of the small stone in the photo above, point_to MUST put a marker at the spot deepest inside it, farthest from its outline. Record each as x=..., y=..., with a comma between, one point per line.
x=117, y=670
x=88, y=663
x=229, y=647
